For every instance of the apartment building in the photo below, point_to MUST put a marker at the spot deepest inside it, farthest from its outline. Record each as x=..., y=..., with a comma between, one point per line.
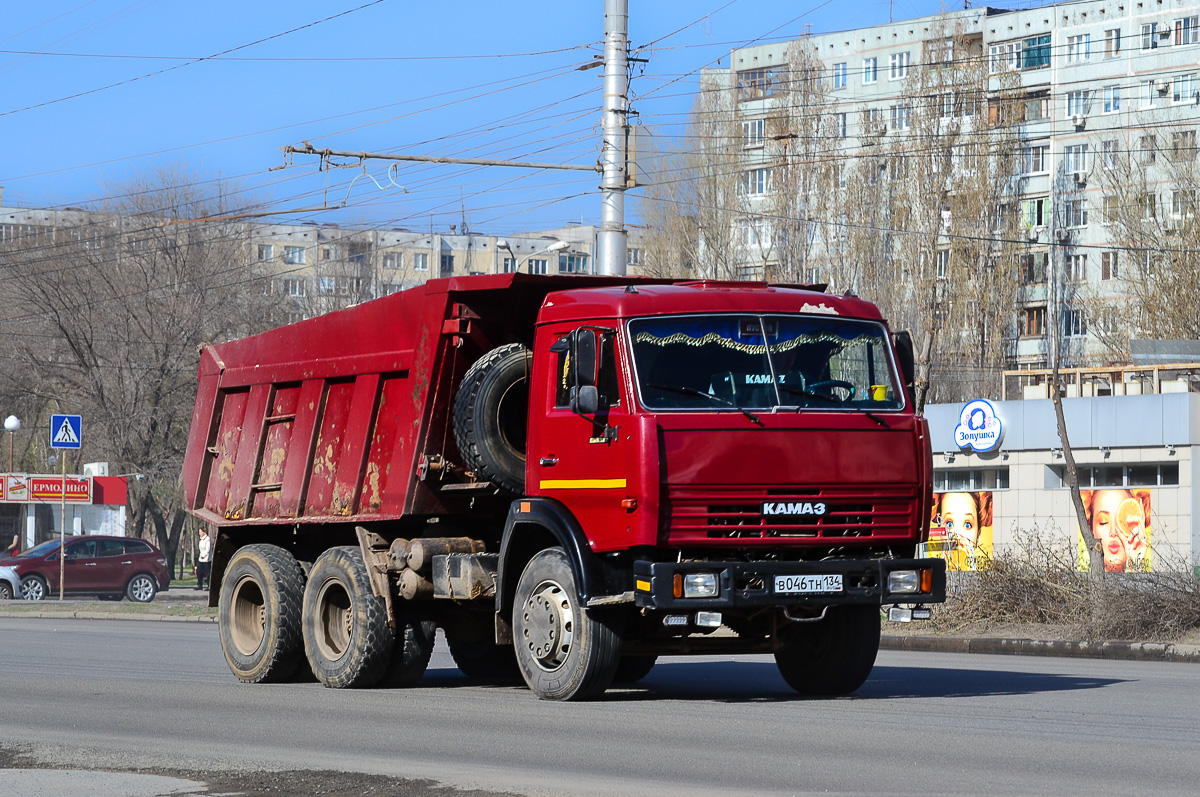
x=1092, y=91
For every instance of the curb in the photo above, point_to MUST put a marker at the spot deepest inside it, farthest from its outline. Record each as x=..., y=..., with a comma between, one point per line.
x=1129, y=651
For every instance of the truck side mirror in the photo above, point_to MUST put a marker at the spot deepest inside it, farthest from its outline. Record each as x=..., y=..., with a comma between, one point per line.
x=585, y=400
x=585, y=357
x=904, y=353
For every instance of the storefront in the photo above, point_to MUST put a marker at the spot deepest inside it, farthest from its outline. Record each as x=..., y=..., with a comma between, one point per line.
x=1136, y=468
x=32, y=506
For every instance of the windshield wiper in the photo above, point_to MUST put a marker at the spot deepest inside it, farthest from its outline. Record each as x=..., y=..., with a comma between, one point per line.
x=810, y=394
x=691, y=391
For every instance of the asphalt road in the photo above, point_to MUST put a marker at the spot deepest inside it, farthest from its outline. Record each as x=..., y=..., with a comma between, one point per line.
x=117, y=695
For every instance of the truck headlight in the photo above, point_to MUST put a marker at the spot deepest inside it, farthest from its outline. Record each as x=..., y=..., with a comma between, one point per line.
x=700, y=585
x=904, y=582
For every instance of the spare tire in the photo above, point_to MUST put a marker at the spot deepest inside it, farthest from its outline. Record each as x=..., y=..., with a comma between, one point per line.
x=490, y=414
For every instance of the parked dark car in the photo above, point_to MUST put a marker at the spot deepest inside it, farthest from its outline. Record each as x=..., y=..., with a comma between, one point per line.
x=110, y=567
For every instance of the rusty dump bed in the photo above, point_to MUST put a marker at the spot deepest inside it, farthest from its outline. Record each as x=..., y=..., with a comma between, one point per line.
x=326, y=419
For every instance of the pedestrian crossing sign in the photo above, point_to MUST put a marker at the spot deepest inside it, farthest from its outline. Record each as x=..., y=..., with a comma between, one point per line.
x=66, y=431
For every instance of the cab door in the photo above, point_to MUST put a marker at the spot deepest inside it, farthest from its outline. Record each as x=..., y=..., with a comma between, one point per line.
x=579, y=454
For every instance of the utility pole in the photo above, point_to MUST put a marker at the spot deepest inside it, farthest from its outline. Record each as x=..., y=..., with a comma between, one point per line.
x=613, y=239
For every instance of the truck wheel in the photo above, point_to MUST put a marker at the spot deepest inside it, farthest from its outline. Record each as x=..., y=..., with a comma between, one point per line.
x=564, y=651
x=834, y=656
x=258, y=614
x=490, y=412
x=412, y=649
x=632, y=669
x=485, y=661
x=346, y=636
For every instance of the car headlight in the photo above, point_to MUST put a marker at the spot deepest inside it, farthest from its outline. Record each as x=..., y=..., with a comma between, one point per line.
x=904, y=582
x=700, y=585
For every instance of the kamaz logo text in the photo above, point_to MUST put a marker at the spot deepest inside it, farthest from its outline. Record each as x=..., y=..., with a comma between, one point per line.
x=793, y=508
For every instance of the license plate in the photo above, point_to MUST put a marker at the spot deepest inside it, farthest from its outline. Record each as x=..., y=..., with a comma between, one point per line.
x=807, y=585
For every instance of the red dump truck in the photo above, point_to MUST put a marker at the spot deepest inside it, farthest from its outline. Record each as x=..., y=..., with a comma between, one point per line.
x=571, y=476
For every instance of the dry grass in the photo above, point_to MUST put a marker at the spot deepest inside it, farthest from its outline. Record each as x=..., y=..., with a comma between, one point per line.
x=1035, y=583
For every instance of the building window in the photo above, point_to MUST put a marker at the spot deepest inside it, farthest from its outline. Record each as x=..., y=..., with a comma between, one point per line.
x=1076, y=268
x=1183, y=145
x=942, y=265
x=420, y=261
x=953, y=481
x=898, y=66
x=1112, y=43
x=839, y=75
x=839, y=120
x=1036, y=52
x=1077, y=102
x=1184, y=88
x=447, y=265
x=1032, y=322
x=1076, y=212
x=1112, y=99
x=633, y=256
x=391, y=260
x=755, y=233
x=1111, y=206
x=1148, y=148
x=1074, y=322
x=327, y=253
x=1142, y=475
x=266, y=252
x=537, y=265
x=756, y=182
x=900, y=115
x=752, y=132
x=1079, y=48
x=510, y=265
x=326, y=285
x=1187, y=31
x=1150, y=36
x=870, y=70
x=1036, y=159
x=756, y=84
x=1108, y=153
x=572, y=264
x=1108, y=265
x=1076, y=158
x=1033, y=212
x=1150, y=99
x=294, y=287
x=293, y=255
x=1033, y=267
x=1183, y=203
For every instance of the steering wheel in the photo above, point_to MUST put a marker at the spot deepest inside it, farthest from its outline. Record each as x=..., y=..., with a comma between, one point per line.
x=836, y=384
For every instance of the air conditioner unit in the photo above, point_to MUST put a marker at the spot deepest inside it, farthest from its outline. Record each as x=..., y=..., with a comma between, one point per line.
x=1162, y=86
x=1062, y=234
x=1165, y=29
x=1078, y=120
x=1032, y=233
x=1081, y=178
x=95, y=469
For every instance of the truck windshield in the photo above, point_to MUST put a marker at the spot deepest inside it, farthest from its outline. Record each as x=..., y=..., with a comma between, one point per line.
x=718, y=362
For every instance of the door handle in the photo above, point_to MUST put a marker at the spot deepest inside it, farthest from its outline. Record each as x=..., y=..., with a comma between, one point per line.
x=126, y=563
x=89, y=564
x=548, y=462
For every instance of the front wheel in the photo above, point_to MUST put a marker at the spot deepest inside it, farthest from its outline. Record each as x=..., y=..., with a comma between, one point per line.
x=833, y=656
x=33, y=588
x=6, y=591
x=564, y=651
x=141, y=588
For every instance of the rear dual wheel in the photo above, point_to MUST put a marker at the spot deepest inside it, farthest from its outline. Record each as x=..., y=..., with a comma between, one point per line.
x=259, y=614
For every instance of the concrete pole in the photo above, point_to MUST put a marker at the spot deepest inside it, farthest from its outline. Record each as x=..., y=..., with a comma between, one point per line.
x=613, y=242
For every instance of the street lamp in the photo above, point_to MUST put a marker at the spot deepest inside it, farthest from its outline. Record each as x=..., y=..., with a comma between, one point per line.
x=12, y=423
x=557, y=246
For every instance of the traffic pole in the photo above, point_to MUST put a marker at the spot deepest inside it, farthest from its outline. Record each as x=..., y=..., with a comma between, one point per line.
x=62, y=530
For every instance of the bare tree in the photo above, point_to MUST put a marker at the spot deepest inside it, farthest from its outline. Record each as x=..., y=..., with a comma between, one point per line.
x=112, y=312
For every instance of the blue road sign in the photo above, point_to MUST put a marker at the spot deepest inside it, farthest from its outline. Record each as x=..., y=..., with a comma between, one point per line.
x=66, y=431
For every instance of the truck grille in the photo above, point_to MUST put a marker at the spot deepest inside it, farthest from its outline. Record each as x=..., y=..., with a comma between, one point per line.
x=697, y=515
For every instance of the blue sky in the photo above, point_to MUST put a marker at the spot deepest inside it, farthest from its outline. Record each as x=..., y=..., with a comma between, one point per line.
x=98, y=91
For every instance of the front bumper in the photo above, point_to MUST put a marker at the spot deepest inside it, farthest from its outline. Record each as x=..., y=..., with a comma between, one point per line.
x=864, y=582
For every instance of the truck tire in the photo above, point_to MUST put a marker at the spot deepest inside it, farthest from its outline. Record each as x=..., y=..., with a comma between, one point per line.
x=833, y=656
x=634, y=668
x=490, y=412
x=564, y=651
x=346, y=635
x=258, y=614
x=484, y=661
x=412, y=649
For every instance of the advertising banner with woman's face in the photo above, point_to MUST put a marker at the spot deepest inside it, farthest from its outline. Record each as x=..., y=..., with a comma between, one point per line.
x=960, y=530
x=1120, y=520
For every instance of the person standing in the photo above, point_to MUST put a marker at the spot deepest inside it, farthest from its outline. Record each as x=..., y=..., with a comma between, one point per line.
x=204, y=560
x=15, y=548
